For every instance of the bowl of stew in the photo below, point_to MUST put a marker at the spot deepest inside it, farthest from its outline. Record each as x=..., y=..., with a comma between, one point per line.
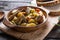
x=26, y=18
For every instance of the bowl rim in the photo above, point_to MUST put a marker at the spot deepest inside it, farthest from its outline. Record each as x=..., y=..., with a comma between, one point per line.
x=3, y=14
x=51, y=3
x=29, y=26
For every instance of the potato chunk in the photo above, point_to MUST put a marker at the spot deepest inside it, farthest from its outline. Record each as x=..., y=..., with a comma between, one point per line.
x=15, y=18
x=23, y=24
x=31, y=24
x=20, y=14
x=31, y=21
x=32, y=10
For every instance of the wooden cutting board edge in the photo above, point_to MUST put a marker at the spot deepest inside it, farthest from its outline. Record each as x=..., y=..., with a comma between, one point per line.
x=21, y=35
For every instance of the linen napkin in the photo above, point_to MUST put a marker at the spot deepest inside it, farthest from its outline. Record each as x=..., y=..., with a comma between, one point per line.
x=11, y=4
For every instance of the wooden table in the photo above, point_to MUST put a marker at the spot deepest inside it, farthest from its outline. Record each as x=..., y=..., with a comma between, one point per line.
x=37, y=35
x=54, y=34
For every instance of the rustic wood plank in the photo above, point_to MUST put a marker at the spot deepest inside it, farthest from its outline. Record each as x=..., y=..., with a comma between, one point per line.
x=36, y=35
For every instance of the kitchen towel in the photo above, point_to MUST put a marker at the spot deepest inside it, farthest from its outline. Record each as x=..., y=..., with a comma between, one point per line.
x=11, y=4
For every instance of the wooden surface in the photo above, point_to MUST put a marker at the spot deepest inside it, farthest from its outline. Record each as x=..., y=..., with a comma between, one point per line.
x=54, y=34
x=37, y=35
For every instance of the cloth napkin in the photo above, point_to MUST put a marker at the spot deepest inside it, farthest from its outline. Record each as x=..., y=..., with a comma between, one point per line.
x=11, y=4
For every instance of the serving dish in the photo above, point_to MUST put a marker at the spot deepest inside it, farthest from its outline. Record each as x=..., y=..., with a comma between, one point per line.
x=1, y=15
x=55, y=13
x=47, y=2
x=23, y=28
x=54, y=10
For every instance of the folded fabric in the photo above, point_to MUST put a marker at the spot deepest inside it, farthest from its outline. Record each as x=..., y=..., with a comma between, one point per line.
x=18, y=0
x=11, y=4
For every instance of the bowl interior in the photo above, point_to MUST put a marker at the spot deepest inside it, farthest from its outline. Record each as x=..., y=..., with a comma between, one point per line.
x=19, y=8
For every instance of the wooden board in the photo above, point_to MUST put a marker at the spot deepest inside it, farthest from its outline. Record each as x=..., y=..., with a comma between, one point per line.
x=36, y=35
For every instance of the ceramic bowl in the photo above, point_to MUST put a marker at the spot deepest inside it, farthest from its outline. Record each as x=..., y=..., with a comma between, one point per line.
x=25, y=29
